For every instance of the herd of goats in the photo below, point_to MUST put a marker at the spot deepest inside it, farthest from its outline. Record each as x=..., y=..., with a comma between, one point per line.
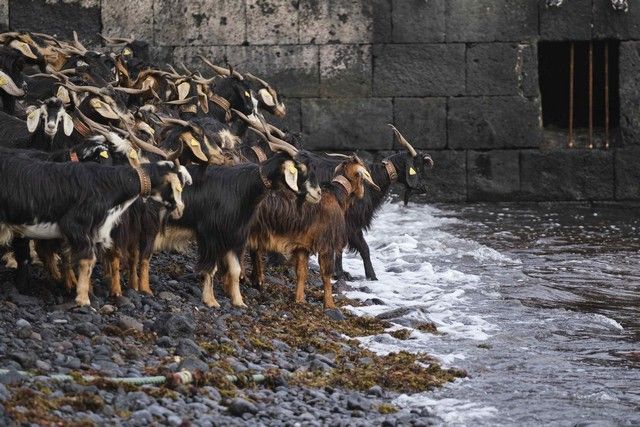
x=105, y=156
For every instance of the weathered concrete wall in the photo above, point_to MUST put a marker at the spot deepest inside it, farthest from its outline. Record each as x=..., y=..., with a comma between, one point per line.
x=458, y=77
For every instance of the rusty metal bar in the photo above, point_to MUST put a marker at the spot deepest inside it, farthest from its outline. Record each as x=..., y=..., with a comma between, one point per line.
x=590, y=94
x=606, y=95
x=571, y=78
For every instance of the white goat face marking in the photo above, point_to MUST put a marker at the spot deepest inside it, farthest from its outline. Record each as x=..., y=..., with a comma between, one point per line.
x=176, y=189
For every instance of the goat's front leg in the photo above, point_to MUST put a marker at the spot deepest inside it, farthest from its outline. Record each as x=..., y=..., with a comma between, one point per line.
x=302, y=268
x=21, y=251
x=257, y=269
x=208, y=296
x=85, y=268
x=46, y=251
x=358, y=242
x=70, y=280
x=326, y=270
x=232, y=279
x=115, y=289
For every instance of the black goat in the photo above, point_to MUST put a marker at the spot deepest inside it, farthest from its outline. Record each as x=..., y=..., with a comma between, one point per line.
x=78, y=202
x=218, y=210
x=11, y=79
x=408, y=168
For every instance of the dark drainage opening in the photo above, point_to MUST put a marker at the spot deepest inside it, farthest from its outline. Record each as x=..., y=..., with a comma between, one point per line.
x=554, y=62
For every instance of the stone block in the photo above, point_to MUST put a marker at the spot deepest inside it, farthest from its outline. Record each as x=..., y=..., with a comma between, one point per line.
x=128, y=18
x=627, y=163
x=4, y=15
x=58, y=18
x=347, y=124
x=418, y=21
x=567, y=175
x=493, y=175
x=630, y=92
x=188, y=55
x=382, y=21
x=494, y=122
x=161, y=55
x=336, y=21
x=199, y=22
x=491, y=69
x=419, y=70
x=448, y=180
x=293, y=70
x=423, y=121
x=616, y=24
x=491, y=20
x=345, y=70
x=571, y=21
x=272, y=22
x=527, y=70
x=292, y=120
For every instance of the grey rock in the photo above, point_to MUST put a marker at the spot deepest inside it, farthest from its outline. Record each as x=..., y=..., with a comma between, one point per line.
x=107, y=309
x=22, y=323
x=87, y=329
x=334, y=314
x=238, y=407
x=42, y=365
x=26, y=359
x=175, y=326
x=572, y=21
x=127, y=323
x=4, y=393
x=187, y=347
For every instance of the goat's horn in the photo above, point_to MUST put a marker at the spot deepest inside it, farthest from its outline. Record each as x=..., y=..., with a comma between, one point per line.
x=275, y=130
x=146, y=146
x=174, y=121
x=250, y=76
x=92, y=125
x=77, y=43
x=253, y=123
x=403, y=142
x=220, y=70
x=180, y=102
x=338, y=155
x=9, y=86
x=131, y=91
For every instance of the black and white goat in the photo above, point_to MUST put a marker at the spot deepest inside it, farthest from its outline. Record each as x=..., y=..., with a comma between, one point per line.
x=79, y=203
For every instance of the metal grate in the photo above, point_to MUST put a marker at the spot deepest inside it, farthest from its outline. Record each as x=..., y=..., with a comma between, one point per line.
x=579, y=87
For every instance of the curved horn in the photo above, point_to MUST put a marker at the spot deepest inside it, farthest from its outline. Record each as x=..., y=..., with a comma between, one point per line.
x=174, y=121
x=131, y=91
x=115, y=41
x=403, y=142
x=146, y=146
x=97, y=127
x=174, y=155
x=77, y=44
x=251, y=122
x=8, y=85
x=251, y=77
x=276, y=131
x=338, y=155
x=220, y=70
x=180, y=102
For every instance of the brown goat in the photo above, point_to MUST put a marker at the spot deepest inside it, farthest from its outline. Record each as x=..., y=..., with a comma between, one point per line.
x=282, y=225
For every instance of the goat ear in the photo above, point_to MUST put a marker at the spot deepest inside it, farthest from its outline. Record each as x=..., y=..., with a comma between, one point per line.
x=103, y=109
x=67, y=122
x=33, y=119
x=194, y=146
x=183, y=90
x=63, y=95
x=267, y=98
x=291, y=175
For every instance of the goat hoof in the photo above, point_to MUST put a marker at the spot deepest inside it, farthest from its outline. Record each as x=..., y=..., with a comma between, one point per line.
x=147, y=292
x=116, y=294
x=83, y=302
x=213, y=304
x=373, y=278
x=239, y=304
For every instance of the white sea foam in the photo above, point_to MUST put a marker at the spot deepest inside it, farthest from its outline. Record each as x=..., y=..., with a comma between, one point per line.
x=415, y=261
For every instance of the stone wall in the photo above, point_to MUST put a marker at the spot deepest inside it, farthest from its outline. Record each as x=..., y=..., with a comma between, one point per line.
x=458, y=77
